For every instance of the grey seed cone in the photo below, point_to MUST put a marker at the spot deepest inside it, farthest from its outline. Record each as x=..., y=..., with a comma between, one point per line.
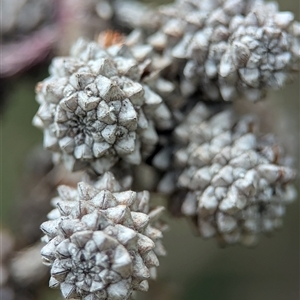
x=134, y=14
x=19, y=17
x=230, y=49
x=94, y=110
x=102, y=244
x=130, y=14
x=237, y=182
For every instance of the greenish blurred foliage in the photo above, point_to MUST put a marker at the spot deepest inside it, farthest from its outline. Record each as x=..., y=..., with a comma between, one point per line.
x=18, y=136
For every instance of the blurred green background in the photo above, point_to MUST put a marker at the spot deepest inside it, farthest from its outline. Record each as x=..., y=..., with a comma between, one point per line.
x=194, y=269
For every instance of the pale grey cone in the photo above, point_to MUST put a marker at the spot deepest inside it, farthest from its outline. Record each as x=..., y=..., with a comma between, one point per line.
x=226, y=49
x=129, y=14
x=102, y=244
x=19, y=17
x=230, y=48
x=135, y=14
x=237, y=183
x=94, y=109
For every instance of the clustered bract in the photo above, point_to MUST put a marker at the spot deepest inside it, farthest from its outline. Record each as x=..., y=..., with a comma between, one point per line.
x=225, y=49
x=102, y=244
x=230, y=48
x=94, y=110
x=237, y=182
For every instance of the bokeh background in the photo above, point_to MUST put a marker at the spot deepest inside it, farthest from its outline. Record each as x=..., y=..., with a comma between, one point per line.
x=194, y=268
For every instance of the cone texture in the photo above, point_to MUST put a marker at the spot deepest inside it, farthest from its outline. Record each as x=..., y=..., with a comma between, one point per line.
x=94, y=111
x=101, y=244
x=236, y=183
x=230, y=48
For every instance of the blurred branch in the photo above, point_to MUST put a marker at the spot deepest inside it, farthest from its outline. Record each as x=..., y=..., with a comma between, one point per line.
x=21, y=55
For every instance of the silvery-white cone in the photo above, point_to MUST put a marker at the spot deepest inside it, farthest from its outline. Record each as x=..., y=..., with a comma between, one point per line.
x=237, y=182
x=135, y=14
x=101, y=243
x=19, y=17
x=94, y=109
x=229, y=48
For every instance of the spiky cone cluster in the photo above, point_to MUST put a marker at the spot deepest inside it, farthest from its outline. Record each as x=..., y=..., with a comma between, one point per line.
x=21, y=17
x=236, y=182
x=102, y=244
x=94, y=109
x=230, y=48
